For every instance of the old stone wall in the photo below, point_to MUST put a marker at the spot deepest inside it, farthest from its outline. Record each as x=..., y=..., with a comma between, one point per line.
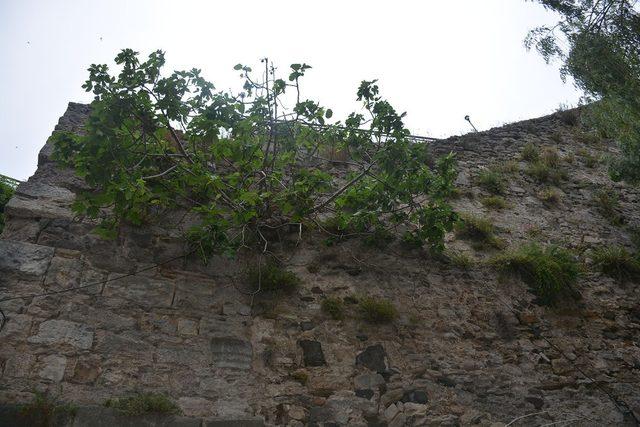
x=467, y=347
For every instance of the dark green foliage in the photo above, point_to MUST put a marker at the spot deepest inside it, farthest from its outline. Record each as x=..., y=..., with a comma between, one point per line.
x=549, y=196
x=507, y=167
x=603, y=57
x=589, y=159
x=270, y=277
x=530, y=152
x=333, y=307
x=379, y=238
x=45, y=411
x=546, y=173
x=479, y=230
x=545, y=166
x=144, y=403
x=7, y=188
x=606, y=201
x=300, y=376
x=492, y=180
x=551, y=157
x=458, y=259
x=617, y=262
x=494, y=202
x=377, y=310
x=550, y=272
x=244, y=163
x=569, y=117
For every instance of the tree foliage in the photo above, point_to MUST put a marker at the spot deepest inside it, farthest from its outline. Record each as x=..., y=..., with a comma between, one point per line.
x=7, y=188
x=598, y=42
x=243, y=165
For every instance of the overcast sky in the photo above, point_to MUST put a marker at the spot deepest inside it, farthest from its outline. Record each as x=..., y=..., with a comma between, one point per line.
x=436, y=60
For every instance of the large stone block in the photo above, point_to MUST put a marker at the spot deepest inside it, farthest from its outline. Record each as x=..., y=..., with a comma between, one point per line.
x=312, y=353
x=63, y=273
x=190, y=354
x=35, y=199
x=127, y=345
x=53, y=368
x=141, y=290
x=35, y=189
x=375, y=358
x=18, y=326
x=63, y=332
x=24, y=258
x=231, y=352
x=19, y=365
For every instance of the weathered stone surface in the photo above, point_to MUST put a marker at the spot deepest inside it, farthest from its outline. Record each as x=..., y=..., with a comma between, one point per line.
x=231, y=352
x=141, y=290
x=374, y=358
x=86, y=370
x=18, y=328
x=312, y=354
x=126, y=344
x=187, y=327
x=53, y=368
x=194, y=406
x=19, y=365
x=61, y=332
x=391, y=412
x=365, y=393
x=24, y=207
x=24, y=258
x=415, y=396
x=365, y=381
x=185, y=330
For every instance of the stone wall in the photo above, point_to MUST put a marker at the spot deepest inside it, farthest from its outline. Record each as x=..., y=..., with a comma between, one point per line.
x=467, y=347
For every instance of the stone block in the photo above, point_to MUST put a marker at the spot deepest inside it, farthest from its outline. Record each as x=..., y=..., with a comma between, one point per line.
x=231, y=352
x=128, y=345
x=86, y=370
x=63, y=332
x=53, y=368
x=312, y=354
x=368, y=381
x=17, y=326
x=35, y=199
x=19, y=365
x=145, y=291
x=24, y=258
x=373, y=357
x=63, y=273
x=391, y=412
x=187, y=327
x=181, y=354
x=415, y=396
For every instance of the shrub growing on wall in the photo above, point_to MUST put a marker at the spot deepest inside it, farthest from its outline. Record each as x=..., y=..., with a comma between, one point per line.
x=251, y=162
x=7, y=188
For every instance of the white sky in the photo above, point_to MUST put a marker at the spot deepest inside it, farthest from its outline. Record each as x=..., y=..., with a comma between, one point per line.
x=437, y=60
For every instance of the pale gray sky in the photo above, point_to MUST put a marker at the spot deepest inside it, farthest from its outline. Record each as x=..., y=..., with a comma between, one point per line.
x=437, y=60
